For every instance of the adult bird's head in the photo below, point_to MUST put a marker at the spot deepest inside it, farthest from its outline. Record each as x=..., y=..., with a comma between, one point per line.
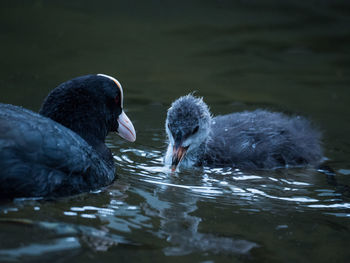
x=90, y=105
x=187, y=126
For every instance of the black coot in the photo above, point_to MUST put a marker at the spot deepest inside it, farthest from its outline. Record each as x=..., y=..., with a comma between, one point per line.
x=248, y=140
x=61, y=151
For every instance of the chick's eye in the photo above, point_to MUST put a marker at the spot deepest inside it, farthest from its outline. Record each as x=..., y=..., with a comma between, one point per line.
x=195, y=130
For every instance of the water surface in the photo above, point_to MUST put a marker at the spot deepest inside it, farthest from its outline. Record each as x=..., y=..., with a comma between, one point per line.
x=290, y=56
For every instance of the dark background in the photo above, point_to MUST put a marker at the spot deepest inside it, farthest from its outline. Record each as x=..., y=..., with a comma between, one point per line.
x=291, y=56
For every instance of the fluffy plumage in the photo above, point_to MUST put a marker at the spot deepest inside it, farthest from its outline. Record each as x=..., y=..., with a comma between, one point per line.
x=248, y=140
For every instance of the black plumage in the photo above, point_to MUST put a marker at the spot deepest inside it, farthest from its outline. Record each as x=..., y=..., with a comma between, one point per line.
x=64, y=154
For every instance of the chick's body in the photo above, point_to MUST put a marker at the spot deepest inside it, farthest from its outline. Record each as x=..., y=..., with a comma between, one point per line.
x=257, y=139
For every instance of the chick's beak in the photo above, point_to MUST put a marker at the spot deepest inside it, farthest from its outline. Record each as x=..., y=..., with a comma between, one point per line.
x=125, y=128
x=178, y=154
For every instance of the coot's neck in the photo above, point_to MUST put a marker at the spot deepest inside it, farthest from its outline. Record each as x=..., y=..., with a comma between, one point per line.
x=92, y=128
x=104, y=152
x=94, y=132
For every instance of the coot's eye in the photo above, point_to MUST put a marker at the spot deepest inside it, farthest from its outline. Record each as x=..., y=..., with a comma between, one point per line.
x=195, y=130
x=117, y=100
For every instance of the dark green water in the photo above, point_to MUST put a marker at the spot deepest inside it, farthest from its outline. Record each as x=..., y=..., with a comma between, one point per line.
x=290, y=56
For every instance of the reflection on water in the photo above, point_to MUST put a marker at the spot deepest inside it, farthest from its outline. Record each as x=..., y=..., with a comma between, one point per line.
x=290, y=56
x=57, y=245
x=184, y=201
x=215, y=211
x=173, y=200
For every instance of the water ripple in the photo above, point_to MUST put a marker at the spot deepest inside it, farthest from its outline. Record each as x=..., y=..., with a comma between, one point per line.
x=229, y=186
